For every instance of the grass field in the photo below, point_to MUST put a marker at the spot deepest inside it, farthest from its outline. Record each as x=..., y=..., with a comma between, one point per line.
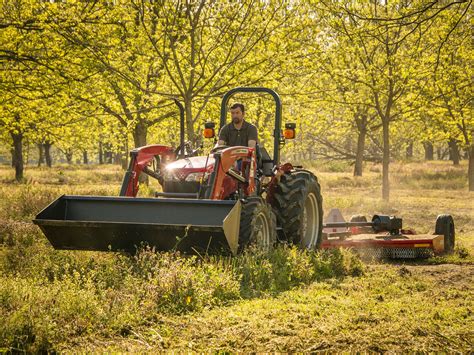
x=286, y=300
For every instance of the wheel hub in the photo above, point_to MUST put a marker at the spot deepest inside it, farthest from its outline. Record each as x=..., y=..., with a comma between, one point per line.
x=310, y=222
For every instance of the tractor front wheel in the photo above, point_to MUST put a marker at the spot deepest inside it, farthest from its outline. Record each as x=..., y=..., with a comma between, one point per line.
x=257, y=224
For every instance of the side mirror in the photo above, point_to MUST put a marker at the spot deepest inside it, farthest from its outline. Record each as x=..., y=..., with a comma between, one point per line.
x=209, y=131
x=289, y=132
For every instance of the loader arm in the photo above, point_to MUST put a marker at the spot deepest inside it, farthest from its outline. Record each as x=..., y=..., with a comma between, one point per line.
x=225, y=161
x=140, y=159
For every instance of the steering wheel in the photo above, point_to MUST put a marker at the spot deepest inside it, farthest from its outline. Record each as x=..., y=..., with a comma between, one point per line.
x=218, y=148
x=187, y=149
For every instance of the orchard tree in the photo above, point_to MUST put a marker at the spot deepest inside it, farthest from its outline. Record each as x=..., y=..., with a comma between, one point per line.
x=207, y=47
x=387, y=40
x=30, y=73
x=112, y=62
x=450, y=92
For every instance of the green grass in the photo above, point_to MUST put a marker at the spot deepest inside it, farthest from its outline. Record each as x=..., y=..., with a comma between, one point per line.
x=49, y=298
x=285, y=300
x=396, y=308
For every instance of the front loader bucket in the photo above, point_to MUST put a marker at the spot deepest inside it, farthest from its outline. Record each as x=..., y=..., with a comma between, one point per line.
x=124, y=223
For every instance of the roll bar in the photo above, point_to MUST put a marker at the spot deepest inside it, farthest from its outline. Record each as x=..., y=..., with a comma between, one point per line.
x=278, y=110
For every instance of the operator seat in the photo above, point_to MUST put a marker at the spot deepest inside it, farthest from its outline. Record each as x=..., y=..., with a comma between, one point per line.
x=264, y=161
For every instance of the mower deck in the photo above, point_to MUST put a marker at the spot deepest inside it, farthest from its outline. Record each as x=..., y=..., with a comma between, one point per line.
x=385, y=237
x=386, y=245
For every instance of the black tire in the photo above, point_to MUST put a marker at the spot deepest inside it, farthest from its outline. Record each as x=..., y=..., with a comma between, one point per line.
x=445, y=226
x=257, y=224
x=298, y=206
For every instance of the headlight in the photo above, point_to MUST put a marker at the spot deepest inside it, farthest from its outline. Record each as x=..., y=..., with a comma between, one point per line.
x=194, y=177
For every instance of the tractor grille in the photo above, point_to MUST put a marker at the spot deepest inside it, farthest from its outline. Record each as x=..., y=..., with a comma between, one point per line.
x=181, y=186
x=395, y=253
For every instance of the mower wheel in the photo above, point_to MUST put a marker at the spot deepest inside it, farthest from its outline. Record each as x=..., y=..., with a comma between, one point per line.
x=298, y=206
x=445, y=226
x=257, y=224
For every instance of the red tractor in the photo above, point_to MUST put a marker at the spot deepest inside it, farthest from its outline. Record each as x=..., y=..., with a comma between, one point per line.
x=229, y=199
x=225, y=201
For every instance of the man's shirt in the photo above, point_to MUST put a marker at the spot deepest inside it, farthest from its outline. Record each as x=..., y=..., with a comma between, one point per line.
x=233, y=136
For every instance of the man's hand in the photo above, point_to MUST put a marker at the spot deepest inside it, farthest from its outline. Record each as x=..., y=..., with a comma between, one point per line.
x=252, y=144
x=219, y=143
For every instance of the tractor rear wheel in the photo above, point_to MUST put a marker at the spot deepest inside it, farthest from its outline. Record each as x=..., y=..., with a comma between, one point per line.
x=298, y=206
x=257, y=224
x=445, y=226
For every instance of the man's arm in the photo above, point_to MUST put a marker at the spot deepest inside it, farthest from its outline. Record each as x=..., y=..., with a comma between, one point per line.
x=223, y=137
x=253, y=137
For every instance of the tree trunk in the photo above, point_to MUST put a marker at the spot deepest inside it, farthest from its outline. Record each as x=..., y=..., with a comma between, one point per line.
x=47, y=154
x=409, y=151
x=442, y=153
x=139, y=134
x=139, y=139
x=18, y=155
x=124, y=161
x=101, y=154
x=40, y=154
x=107, y=153
x=429, y=150
x=125, y=155
x=188, y=115
x=470, y=170
x=118, y=158
x=386, y=161
x=108, y=156
x=85, y=158
x=454, y=151
x=26, y=154
x=68, y=154
x=360, y=152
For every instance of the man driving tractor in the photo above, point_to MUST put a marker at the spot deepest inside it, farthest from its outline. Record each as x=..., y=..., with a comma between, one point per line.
x=238, y=132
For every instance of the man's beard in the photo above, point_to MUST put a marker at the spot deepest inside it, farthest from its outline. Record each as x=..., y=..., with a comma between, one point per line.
x=236, y=120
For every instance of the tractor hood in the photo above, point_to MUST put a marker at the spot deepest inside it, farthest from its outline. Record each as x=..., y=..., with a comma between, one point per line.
x=190, y=169
x=194, y=163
